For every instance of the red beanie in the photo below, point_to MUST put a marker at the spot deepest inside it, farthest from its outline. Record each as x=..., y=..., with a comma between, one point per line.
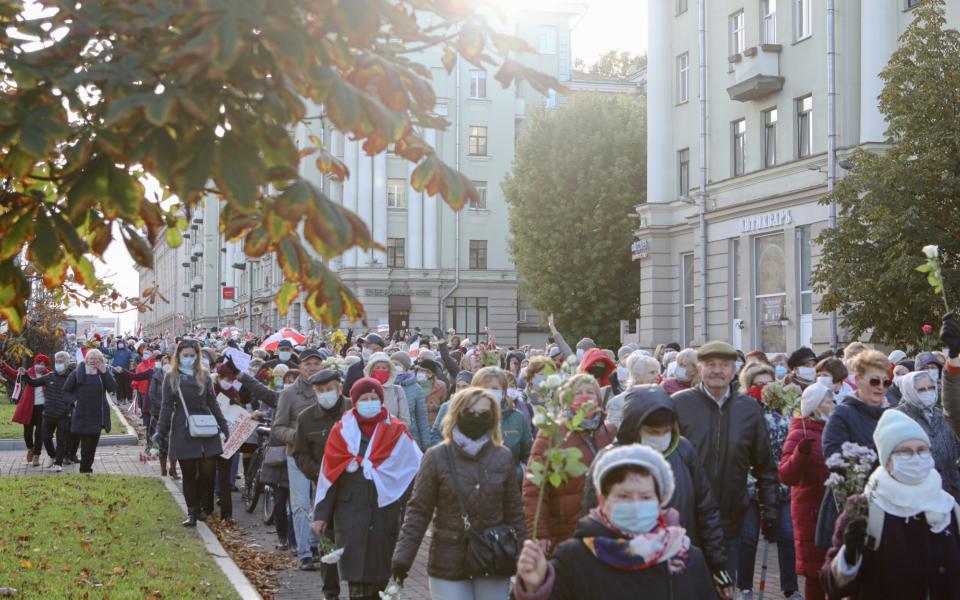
x=41, y=358
x=363, y=386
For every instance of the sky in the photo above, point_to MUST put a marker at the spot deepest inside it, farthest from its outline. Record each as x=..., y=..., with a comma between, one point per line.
x=605, y=25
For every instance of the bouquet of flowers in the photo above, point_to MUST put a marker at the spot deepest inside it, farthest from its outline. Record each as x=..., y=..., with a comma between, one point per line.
x=851, y=468
x=331, y=554
x=784, y=401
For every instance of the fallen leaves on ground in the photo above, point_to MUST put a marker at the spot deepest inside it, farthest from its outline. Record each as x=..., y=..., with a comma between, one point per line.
x=259, y=565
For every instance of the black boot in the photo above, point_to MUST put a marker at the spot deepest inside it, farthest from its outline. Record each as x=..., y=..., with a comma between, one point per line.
x=191, y=520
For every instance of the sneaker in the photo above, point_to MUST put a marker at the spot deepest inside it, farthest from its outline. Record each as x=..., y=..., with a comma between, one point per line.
x=36, y=460
x=307, y=564
x=745, y=595
x=57, y=468
x=50, y=463
x=29, y=455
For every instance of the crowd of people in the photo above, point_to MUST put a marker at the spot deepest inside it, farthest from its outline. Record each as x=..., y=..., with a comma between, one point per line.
x=692, y=458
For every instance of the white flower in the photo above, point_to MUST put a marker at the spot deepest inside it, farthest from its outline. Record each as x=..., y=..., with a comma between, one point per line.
x=836, y=462
x=392, y=591
x=539, y=419
x=931, y=251
x=835, y=480
x=332, y=558
x=554, y=381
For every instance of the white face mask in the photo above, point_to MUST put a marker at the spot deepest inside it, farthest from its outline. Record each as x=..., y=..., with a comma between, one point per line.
x=399, y=368
x=284, y=356
x=327, y=399
x=498, y=394
x=680, y=373
x=225, y=385
x=147, y=355
x=421, y=376
x=660, y=443
x=368, y=408
x=927, y=398
x=622, y=374
x=60, y=367
x=287, y=386
x=806, y=373
x=913, y=470
x=205, y=363
x=366, y=353
x=514, y=393
x=826, y=382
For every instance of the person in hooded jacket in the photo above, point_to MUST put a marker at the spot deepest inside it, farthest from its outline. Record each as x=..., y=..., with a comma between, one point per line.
x=29, y=411
x=419, y=424
x=919, y=395
x=802, y=467
x=596, y=363
x=651, y=419
x=381, y=368
x=57, y=406
x=168, y=465
x=630, y=546
x=560, y=506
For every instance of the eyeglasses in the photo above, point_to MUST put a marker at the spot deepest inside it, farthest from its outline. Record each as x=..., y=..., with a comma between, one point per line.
x=908, y=453
x=877, y=382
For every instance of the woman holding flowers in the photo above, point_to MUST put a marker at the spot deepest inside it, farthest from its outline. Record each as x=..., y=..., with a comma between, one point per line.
x=473, y=469
x=560, y=506
x=900, y=539
x=514, y=427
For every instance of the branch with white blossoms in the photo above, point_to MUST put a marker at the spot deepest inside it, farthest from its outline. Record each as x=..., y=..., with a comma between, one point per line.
x=851, y=468
x=934, y=272
x=392, y=592
x=331, y=555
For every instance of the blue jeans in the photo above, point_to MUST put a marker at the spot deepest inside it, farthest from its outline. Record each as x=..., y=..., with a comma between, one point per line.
x=786, y=555
x=301, y=503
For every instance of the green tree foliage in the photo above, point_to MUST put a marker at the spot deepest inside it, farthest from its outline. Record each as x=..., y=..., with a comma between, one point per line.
x=613, y=64
x=891, y=205
x=580, y=171
x=204, y=96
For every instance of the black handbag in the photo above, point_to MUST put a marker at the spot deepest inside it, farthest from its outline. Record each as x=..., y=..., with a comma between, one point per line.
x=492, y=552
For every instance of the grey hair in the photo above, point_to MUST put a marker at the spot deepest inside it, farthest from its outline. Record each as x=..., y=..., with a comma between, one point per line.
x=64, y=355
x=637, y=363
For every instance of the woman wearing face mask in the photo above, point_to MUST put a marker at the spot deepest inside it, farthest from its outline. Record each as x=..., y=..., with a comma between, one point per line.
x=381, y=368
x=406, y=378
x=514, y=427
x=463, y=381
x=435, y=391
x=627, y=544
x=56, y=407
x=832, y=373
x=853, y=420
x=168, y=466
x=803, y=369
x=29, y=411
x=140, y=383
x=919, y=402
x=641, y=370
x=124, y=358
x=189, y=387
x=364, y=501
x=802, y=468
x=903, y=541
x=89, y=384
x=560, y=509
x=754, y=379
x=471, y=463
x=684, y=372
x=539, y=368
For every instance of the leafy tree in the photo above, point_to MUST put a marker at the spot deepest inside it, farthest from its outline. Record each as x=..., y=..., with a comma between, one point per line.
x=892, y=205
x=613, y=64
x=204, y=95
x=578, y=175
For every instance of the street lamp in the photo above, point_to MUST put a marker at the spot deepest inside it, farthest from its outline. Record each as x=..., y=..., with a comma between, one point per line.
x=243, y=267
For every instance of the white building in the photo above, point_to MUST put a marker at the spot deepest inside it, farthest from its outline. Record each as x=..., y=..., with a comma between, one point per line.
x=765, y=140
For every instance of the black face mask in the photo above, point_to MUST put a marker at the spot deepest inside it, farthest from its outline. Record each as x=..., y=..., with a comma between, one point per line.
x=475, y=426
x=598, y=372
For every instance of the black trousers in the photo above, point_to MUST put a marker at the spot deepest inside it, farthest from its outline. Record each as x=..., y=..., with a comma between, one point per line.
x=281, y=495
x=88, y=449
x=197, y=474
x=33, y=433
x=226, y=489
x=60, y=426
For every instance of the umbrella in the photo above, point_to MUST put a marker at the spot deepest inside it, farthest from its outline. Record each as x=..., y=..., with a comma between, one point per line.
x=287, y=333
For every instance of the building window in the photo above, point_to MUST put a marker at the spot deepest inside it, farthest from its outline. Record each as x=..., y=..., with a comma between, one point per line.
x=686, y=296
x=806, y=288
x=735, y=276
x=396, y=193
x=771, y=285
x=478, y=141
x=468, y=316
x=770, y=137
x=396, y=253
x=739, y=129
x=681, y=6
x=548, y=39
x=913, y=3
x=768, y=21
x=478, y=83
x=481, y=202
x=683, y=77
x=683, y=169
x=478, y=254
x=804, y=19
x=804, y=126
x=737, y=41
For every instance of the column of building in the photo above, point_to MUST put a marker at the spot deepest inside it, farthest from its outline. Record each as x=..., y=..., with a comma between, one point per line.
x=431, y=231
x=659, y=106
x=878, y=40
x=414, y=224
x=350, y=185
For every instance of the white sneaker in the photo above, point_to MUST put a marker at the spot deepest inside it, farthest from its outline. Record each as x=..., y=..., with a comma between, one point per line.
x=745, y=595
x=50, y=463
x=57, y=468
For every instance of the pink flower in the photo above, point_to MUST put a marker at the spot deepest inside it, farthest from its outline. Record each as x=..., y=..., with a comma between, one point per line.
x=927, y=328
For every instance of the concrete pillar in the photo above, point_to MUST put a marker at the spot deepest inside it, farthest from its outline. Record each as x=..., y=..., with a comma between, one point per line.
x=431, y=231
x=414, y=224
x=380, y=205
x=878, y=40
x=365, y=199
x=350, y=193
x=659, y=102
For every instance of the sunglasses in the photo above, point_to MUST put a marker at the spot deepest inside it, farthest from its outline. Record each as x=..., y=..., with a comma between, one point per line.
x=877, y=382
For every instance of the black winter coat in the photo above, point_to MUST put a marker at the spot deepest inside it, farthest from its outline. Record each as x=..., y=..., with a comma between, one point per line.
x=692, y=496
x=57, y=402
x=313, y=429
x=579, y=575
x=172, y=426
x=731, y=441
x=91, y=413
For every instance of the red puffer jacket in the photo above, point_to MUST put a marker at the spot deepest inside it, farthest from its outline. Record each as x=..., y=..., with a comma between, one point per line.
x=802, y=468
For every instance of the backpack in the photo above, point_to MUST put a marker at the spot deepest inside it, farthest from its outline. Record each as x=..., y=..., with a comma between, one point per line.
x=876, y=517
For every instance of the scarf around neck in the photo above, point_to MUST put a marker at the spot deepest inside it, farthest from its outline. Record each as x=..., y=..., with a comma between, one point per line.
x=471, y=447
x=665, y=543
x=903, y=500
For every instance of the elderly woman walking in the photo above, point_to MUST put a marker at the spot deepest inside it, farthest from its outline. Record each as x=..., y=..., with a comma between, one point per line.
x=89, y=384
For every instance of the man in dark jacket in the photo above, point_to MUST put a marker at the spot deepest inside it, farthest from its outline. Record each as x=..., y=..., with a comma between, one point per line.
x=313, y=428
x=372, y=344
x=730, y=434
x=285, y=356
x=57, y=406
x=649, y=418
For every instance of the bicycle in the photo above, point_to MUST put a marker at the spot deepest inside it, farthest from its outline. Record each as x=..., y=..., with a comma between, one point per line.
x=252, y=488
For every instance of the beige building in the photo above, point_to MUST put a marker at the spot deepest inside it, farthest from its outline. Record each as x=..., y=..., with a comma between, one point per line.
x=764, y=136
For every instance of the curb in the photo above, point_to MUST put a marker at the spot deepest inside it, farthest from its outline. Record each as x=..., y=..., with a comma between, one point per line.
x=125, y=439
x=234, y=575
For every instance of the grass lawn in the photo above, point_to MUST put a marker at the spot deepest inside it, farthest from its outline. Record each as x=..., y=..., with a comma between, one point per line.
x=101, y=536
x=9, y=429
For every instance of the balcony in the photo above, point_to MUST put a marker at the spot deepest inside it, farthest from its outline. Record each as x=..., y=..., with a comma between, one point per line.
x=756, y=72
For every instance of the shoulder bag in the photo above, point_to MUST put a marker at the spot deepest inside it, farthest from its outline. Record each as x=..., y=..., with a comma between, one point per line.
x=199, y=426
x=492, y=552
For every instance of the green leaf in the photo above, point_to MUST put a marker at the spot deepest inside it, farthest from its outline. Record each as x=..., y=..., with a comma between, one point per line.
x=125, y=193
x=174, y=237
x=159, y=108
x=236, y=171
x=286, y=296
x=138, y=247
x=45, y=247
x=12, y=241
x=556, y=479
x=196, y=174
x=68, y=235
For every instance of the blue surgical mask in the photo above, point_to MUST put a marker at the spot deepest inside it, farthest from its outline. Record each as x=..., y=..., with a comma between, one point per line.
x=368, y=408
x=538, y=380
x=781, y=371
x=912, y=470
x=60, y=367
x=186, y=364
x=739, y=365
x=634, y=517
x=580, y=353
x=284, y=356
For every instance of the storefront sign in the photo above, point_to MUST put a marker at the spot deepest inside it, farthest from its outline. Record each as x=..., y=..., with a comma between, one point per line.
x=640, y=249
x=396, y=292
x=229, y=293
x=766, y=221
